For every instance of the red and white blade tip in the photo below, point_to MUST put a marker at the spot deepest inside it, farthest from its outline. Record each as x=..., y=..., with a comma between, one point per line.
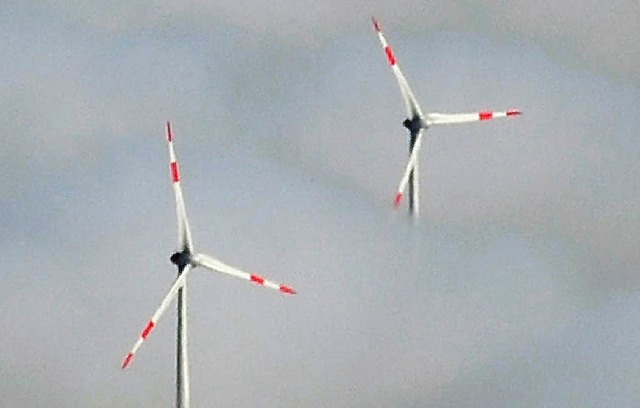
x=488, y=115
x=259, y=280
x=145, y=333
x=288, y=290
x=387, y=49
x=127, y=360
x=397, y=200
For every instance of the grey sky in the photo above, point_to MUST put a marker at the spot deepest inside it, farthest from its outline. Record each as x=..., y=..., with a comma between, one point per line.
x=519, y=287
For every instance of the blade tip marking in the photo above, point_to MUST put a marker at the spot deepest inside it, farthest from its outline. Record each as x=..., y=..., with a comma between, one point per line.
x=376, y=25
x=169, y=134
x=514, y=112
x=288, y=290
x=397, y=200
x=127, y=360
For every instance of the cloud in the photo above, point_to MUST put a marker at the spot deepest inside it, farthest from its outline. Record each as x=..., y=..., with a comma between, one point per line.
x=600, y=33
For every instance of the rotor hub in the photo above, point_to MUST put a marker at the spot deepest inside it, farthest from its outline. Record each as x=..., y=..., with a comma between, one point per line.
x=414, y=125
x=181, y=259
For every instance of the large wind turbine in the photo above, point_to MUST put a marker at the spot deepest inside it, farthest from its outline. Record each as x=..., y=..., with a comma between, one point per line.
x=186, y=260
x=417, y=122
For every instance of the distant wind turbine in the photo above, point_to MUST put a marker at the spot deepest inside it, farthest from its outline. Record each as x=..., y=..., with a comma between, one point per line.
x=186, y=260
x=417, y=122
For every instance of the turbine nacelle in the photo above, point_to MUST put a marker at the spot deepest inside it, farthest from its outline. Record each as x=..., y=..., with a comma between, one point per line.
x=415, y=124
x=181, y=259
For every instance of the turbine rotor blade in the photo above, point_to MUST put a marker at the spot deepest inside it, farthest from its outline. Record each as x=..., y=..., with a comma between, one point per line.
x=414, y=190
x=184, y=232
x=413, y=107
x=451, y=118
x=177, y=284
x=219, y=266
x=413, y=158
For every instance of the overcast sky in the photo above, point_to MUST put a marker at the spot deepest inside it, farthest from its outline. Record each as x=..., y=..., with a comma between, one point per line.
x=519, y=287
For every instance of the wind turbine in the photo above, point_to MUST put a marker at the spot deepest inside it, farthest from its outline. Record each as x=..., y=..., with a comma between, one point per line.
x=186, y=260
x=417, y=122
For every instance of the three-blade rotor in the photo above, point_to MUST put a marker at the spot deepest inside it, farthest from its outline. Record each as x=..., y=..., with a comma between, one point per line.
x=417, y=122
x=186, y=260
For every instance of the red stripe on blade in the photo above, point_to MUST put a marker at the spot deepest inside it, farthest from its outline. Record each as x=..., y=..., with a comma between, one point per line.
x=288, y=290
x=174, y=172
x=396, y=202
x=127, y=360
x=169, y=135
x=390, y=56
x=514, y=113
x=148, y=329
x=257, y=279
x=485, y=115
